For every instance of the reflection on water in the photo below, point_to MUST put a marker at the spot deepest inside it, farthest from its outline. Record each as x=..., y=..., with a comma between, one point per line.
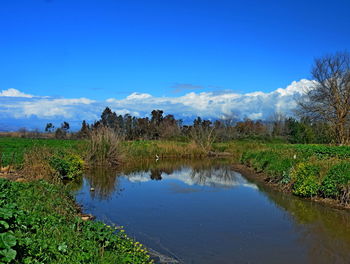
x=222, y=177
x=326, y=231
x=203, y=212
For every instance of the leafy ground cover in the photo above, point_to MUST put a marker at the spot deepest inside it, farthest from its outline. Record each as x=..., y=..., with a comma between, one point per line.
x=307, y=170
x=39, y=224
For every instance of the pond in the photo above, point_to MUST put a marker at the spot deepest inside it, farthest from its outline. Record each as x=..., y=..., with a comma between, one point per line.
x=205, y=212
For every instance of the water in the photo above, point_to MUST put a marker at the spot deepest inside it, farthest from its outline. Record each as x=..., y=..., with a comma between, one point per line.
x=204, y=212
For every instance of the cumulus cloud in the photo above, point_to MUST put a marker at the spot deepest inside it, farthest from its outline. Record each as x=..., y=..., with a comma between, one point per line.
x=256, y=105
x=11, y=92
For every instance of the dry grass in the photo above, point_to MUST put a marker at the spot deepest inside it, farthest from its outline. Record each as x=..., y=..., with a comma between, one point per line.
x=104, y=148
x=36, y=165
x=147, y=149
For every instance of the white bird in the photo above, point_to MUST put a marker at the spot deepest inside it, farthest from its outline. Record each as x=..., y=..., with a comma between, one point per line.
x=157, y=157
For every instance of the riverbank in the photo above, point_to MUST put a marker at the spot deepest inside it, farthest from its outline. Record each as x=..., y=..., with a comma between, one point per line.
x=318, y=172
x=40, y=223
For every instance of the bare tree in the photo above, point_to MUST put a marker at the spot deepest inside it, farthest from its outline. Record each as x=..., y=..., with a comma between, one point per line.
x=203, y=134
x=329, y=99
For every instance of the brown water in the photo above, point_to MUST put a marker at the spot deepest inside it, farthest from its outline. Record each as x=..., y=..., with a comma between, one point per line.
x=204, y=212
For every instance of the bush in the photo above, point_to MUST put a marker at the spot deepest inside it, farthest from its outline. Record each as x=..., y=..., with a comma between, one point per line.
x=306, y=180
x=67, y=165
x=336, y=180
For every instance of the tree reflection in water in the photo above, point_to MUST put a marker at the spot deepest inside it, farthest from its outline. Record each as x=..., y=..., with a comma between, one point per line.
x=103, y=181
x=324, y=230
x=201, y=172
x=156, y=174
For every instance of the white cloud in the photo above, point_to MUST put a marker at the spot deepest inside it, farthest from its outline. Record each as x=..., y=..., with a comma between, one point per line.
x=256, y=105
x=138, y=96
x=11, y=92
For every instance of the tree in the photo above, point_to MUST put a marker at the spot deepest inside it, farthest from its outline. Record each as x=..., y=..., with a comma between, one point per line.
x=65, y=126
x=329, y=99
x=84, y=131
x=157, y=117
x=49, y=127
x=109, y=118
x=156, y=120
x=203, y=134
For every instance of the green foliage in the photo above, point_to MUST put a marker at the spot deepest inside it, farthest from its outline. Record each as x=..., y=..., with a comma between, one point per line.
x=272, y=162
x=300, y=132
x=324, y=151
x=287, y=163
x=306, y=180
x=19, y=146
x=337, y=178
x=39, y=224
x=67, y=165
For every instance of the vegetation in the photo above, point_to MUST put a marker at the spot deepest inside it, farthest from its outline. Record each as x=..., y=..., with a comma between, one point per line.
x=39, y=221
x=39, y=224
x=104, y=147
x=329, y=100
x=336, y=182
x=12, y=149
x=306, y=170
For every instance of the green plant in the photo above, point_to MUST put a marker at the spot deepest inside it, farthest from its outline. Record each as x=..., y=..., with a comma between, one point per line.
x=336, y=179
x=306, y=180
x=39, y=224
x=67, y=165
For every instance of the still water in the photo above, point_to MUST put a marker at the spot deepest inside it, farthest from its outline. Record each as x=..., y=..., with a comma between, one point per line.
x=204, y=212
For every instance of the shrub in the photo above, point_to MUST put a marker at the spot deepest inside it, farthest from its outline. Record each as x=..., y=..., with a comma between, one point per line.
x=67, y=165
x=336, y=180
x=305, y=177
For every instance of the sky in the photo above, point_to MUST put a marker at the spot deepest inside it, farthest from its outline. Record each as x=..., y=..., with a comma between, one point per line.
x=103, y=52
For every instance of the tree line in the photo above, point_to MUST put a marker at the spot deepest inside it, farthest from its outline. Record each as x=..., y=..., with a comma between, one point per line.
x=323, y=116
x=160, y=126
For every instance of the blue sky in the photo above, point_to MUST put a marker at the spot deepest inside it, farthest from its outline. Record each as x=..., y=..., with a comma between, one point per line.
x=111, y=49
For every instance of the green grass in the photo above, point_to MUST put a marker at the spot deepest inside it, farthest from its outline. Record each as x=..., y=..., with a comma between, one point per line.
x=16, y=147
x=39, y=224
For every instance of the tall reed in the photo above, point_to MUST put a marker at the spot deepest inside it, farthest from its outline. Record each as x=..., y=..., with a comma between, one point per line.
x=104, y=148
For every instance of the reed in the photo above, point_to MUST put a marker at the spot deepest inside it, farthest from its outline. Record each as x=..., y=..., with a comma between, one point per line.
x=104, y=148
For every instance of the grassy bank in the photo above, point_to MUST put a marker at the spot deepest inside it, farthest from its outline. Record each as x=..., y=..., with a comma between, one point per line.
x=12, y=150
x=17, y=147
x=39, y=223
x=305, y=170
